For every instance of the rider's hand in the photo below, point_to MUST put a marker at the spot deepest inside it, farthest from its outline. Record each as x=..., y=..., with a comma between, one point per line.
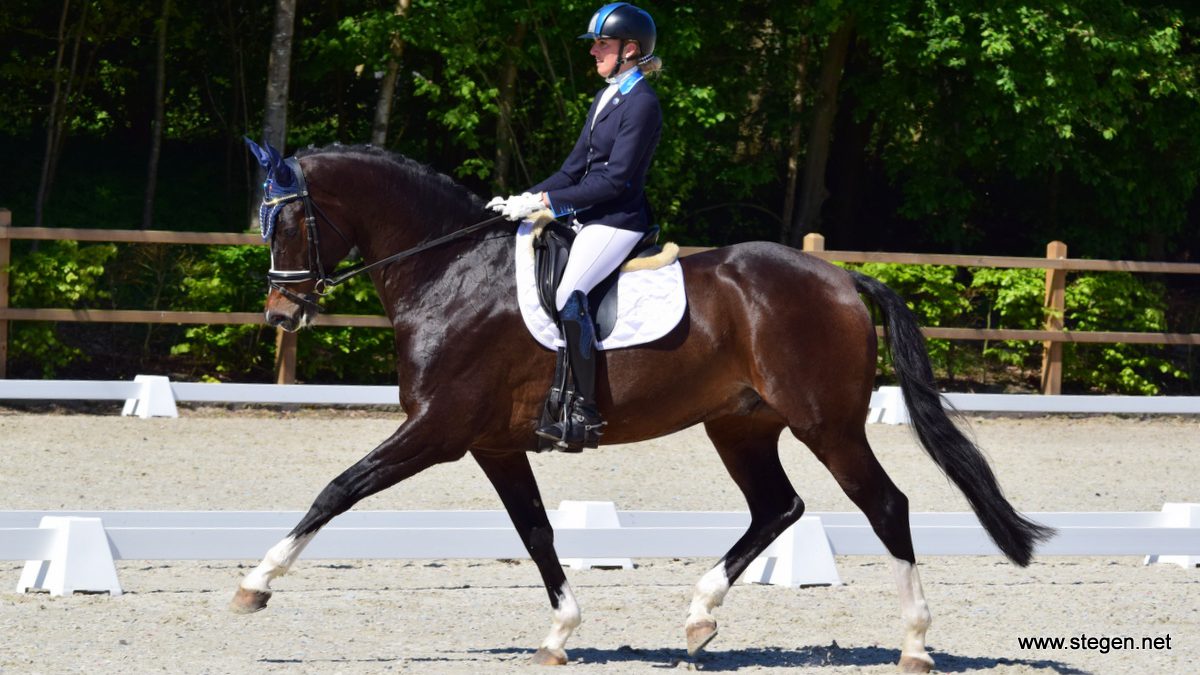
x=497, y=204
x=522, y=205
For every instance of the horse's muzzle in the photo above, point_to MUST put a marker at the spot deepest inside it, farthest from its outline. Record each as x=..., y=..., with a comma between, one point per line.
x=289, y=311
x=288, y=323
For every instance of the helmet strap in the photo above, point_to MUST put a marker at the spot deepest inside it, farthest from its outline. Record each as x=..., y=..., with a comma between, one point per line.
x=621, y=59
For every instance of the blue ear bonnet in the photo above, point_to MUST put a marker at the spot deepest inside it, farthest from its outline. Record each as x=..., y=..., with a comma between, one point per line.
x=280, y=187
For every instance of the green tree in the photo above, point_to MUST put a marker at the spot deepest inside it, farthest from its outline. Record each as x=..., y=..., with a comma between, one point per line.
x=1084, y=114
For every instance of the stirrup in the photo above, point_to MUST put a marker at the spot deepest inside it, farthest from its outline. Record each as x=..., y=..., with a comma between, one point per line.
x=581, y=428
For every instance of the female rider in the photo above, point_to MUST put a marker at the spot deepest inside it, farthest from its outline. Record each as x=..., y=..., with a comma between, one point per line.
x=601, y=188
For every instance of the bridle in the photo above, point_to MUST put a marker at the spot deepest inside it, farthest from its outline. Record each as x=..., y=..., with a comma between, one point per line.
x=278, y=280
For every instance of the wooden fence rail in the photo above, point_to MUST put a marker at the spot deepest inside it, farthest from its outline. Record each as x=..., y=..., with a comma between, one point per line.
x=1056, y=264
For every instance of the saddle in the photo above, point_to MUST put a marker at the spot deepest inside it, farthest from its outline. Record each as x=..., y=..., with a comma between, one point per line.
x=550, y=251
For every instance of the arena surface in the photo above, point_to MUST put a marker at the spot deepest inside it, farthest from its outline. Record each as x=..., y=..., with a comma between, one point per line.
x=489, y=616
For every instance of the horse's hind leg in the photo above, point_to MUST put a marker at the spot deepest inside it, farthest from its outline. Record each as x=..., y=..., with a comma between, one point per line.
x=748, y=445
x=513, y=479
x=414, y=447
x=849, y=458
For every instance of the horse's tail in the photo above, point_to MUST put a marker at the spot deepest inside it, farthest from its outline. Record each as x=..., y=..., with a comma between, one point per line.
x=953, y=452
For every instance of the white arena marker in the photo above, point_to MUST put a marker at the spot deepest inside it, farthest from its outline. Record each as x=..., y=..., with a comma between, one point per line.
x=801, y=556
x=579, y=514
x=156, y=398
x=79, y=559
x=1178, y=515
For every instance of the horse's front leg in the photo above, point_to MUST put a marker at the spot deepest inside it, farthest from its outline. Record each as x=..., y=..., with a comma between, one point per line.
x=513, y=479
x=415, y=446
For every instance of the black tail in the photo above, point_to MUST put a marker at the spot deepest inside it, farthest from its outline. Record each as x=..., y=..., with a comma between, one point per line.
x=956, y=455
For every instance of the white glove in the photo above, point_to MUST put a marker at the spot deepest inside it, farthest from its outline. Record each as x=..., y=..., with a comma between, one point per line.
x=522, y=205
x=497, y=204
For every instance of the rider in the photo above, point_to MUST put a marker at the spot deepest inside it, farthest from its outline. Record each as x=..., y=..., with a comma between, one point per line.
x=601, y=187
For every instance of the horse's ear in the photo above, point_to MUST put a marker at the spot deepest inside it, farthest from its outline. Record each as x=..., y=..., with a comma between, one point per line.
x=279, y=169
x=263, y=157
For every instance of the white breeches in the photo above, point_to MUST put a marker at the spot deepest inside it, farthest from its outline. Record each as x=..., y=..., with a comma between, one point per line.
x=597, y=251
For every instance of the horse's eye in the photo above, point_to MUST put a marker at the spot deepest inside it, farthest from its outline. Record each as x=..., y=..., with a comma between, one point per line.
x=289, y=231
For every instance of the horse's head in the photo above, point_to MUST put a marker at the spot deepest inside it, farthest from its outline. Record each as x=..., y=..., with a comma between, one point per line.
x=305, y=243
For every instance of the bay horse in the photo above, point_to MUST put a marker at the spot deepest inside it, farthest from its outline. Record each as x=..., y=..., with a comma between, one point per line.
x=772, y=339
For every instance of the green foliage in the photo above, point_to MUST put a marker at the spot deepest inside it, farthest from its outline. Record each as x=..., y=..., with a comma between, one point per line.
x=1076, y=107
x=1013, y=298
x=226, y=279
x=62, y=274
x=1116, y=301
x=1010, y=298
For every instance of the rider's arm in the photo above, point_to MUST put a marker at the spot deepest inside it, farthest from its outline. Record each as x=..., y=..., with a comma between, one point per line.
x=637, y=136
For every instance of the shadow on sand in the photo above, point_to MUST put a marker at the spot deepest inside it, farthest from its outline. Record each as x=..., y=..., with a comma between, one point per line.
x=802, y=657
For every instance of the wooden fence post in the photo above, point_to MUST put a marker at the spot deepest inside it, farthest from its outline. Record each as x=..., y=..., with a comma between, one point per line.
x=285, y=357
x=814, y=242
x=5, y=259
x=1056, y=305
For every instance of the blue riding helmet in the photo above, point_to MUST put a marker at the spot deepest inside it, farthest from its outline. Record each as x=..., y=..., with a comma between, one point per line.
x=623, y=21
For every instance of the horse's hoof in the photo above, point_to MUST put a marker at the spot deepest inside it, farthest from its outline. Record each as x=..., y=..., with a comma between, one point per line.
x=549, y=657
x=247, y=601
x=913, y=664
x=700, y=634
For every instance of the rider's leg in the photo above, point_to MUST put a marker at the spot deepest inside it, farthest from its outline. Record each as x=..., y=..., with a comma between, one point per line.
x=597, y=251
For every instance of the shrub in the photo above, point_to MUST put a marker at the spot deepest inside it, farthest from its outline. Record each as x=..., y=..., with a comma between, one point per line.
x=61, y=274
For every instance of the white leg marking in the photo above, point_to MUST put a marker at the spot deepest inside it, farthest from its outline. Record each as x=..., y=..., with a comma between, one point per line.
x=710, y=593
x=913, y=610
x=276, y=563
x=566, y=619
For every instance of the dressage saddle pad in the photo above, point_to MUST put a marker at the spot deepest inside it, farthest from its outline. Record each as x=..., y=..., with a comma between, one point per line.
x=649, y=304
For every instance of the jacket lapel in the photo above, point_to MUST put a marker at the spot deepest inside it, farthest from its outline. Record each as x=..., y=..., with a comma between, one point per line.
x=617, y=101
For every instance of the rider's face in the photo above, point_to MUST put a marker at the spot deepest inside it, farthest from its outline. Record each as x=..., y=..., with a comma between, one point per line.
x=605, y=51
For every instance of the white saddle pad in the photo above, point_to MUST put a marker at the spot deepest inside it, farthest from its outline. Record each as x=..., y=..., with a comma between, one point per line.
x=649, y=302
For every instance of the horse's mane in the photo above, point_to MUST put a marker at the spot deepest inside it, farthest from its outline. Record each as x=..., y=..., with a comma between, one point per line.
x=451, y=197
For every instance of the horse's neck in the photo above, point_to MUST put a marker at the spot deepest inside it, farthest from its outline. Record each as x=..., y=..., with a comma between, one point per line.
x=450, y=283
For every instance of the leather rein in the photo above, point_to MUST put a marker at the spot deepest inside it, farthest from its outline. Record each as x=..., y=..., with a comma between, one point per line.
x=277, y=279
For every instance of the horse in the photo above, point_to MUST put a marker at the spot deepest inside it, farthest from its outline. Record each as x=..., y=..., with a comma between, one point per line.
x=772, y=339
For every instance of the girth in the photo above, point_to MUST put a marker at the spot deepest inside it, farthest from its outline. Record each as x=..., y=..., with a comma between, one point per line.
x=550, y=251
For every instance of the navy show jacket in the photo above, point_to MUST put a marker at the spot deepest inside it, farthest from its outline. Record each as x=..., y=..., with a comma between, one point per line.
x=611, y=191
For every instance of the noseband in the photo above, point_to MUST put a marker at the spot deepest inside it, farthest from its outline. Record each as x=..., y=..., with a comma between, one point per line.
x=278, y=280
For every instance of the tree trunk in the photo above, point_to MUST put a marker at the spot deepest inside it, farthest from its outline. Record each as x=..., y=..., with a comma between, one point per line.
x=812, y=191
x=505, y=138
x=53, y=126
x=160, y=86
x=387, y=88
x=275, y=105
x=793, y=156
x=278, y=75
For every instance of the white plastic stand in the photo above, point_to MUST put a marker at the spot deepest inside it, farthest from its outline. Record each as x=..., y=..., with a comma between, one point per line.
x=80, y=559
x=887, y=407
x=590, y=514
x=801, y=556
x=1178, y=515
x=156, y=399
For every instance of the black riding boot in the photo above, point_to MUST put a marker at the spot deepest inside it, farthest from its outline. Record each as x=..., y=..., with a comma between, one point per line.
x=581, y=423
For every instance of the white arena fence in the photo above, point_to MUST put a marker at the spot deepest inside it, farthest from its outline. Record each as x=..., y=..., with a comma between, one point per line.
x=68, y=551
x=156, y=396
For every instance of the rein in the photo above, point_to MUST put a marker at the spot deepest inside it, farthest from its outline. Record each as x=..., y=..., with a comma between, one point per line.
x=316, y=269
x=359, y=268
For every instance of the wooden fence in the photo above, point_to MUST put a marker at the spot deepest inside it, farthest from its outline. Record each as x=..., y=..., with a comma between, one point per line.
x=1052, y=336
